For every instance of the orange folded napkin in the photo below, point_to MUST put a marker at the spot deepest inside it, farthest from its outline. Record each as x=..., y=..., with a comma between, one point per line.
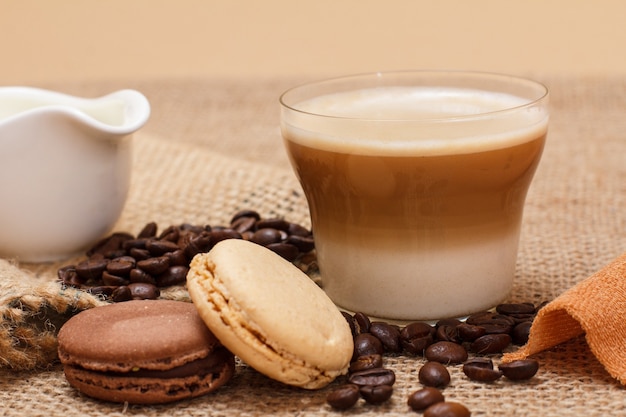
x=595, y=307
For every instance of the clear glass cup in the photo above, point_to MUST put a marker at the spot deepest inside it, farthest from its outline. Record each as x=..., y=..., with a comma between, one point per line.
x=416, y=183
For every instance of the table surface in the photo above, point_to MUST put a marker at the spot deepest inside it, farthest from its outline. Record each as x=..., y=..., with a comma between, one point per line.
x=212, y=146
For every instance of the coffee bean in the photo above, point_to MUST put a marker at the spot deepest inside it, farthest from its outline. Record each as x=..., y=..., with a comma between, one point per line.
x=520, y=318
x=447, y=409
x=418, y=345
x=154, y=266
x=343, y=397
x=285, y=250
x=497, y=327
x=481, y=317
x=177, y=258
x=73, y=280
x=275, y=223
x=170, y=235
x=61, y=272
x=376, y=394
x=139, y=243
x=218, y=235
x=143, y=291
x=363, y=322
x=266, y=236
x=137, y=275
x=367, y=344
x=424, y=398
x=415, y=330
x=516, y=308
x=113, y=280
x=448, y=322
x=103, y=290
x=296, y=229
x=149, y=230
x=446, y=352
x=198, y=244
x=121, y=266
x=120, y=294
x=110, y=245
x=303, y=243
x=492, y=322
x=501, y=319
x=194, y=228
x=376, y=376
x=161, y=247
x=351, y=322
x=447, y=333
x=139, y=254
x=416, y=337
x=243, y=224
x=388, y=335
x=188, y=232
x=521, y=332
x=366, y=362
x=470, y=332
x=490, y=343
x=489, y=317
x=91, y=269
x=481, y=369
x=245, y=213
x=520, y=369
x=68, y=276
x=173, y=275
x=480, y=362
x=434, y=374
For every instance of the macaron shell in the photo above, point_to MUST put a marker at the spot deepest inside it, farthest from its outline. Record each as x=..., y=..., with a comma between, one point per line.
x=149, y=334
x=270, y=314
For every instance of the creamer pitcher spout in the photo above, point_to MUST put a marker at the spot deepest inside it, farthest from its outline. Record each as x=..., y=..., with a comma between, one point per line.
x=119, y=113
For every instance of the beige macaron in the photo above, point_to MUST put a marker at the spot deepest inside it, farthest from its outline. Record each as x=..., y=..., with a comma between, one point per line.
x=270, y=314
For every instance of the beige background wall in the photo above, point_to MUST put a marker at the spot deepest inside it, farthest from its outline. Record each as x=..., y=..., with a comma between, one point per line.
x=43, y=40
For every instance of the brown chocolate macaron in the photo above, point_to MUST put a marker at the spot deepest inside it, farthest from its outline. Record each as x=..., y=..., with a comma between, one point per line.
x=143, y=352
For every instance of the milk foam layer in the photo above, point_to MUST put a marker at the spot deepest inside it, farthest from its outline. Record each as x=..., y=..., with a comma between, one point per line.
x=398, y=103
x=414, y=120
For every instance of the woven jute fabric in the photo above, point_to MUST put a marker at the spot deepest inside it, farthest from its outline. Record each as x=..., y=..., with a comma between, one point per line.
x=213, y=147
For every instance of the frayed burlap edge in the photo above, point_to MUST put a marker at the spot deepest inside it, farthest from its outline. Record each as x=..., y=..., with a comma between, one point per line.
x=31, y=312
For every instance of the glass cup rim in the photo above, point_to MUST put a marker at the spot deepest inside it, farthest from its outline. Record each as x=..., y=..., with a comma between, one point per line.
x=542, y=95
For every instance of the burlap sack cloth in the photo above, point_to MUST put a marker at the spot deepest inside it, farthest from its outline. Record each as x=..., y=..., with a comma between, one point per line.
x=213, y=147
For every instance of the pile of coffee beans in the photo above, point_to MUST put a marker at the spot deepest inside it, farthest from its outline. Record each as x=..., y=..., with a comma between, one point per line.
x=449, y=342
x=123, y=267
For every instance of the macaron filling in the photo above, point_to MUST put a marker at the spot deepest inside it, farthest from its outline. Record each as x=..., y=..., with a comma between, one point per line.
x=212, y=364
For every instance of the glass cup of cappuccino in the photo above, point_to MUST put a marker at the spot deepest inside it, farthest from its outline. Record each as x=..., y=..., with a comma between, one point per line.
x=416, y=183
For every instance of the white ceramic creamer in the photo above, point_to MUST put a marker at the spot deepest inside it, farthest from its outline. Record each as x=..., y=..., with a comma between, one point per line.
x=65, y=166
